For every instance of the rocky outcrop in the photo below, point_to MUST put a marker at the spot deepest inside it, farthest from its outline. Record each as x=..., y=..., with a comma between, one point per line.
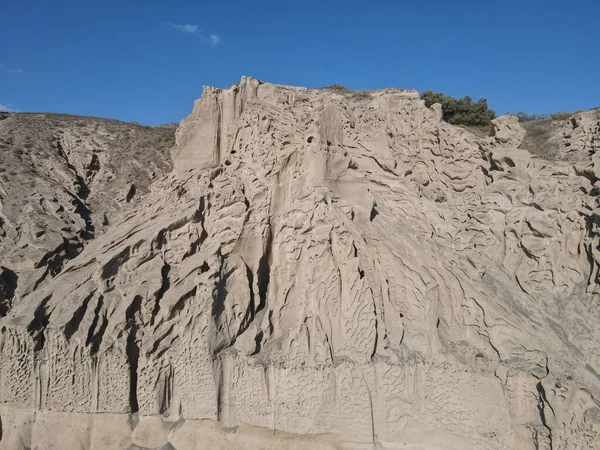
x=574, y=139
x=322, y=269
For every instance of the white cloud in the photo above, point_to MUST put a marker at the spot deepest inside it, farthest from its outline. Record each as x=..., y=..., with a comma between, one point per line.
x=5, y=108
x=186, y=28
x=195, y=30
x=10, y=69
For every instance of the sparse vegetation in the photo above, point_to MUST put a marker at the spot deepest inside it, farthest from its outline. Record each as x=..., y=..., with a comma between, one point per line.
x=524, y=117
x=361, y=95
x=168, y=125
x=338, y=88
x=355, y=95
x=461, y=111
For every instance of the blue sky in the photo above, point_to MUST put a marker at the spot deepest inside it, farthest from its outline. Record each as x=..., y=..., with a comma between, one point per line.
x=147, y=61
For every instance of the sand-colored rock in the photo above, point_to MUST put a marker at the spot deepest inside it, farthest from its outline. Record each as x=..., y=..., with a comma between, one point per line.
x=324, y=270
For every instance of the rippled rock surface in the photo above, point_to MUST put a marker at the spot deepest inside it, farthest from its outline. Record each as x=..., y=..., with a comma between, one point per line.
x=318, y=270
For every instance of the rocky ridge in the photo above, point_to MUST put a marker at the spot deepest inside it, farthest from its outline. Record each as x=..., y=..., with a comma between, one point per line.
x=322, y=270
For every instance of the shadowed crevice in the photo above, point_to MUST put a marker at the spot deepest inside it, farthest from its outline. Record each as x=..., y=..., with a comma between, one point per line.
x=133, y=350
x=8, y=286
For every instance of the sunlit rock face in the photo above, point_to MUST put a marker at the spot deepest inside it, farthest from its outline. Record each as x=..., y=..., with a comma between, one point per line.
x=323, y=270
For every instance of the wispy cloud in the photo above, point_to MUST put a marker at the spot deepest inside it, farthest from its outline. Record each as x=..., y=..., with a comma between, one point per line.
x=186, y=28
x=13, y=70
x=195, y=30
x=7, y=108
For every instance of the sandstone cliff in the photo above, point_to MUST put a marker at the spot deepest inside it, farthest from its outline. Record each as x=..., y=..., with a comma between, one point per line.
x=319, y=270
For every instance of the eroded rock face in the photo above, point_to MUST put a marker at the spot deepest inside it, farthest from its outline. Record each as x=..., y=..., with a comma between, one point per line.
x=62, y=179
x=323, y=269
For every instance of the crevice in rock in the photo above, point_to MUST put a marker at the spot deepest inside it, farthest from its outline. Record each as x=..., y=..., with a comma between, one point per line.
x=204, y=267
x=111, y=268
x=133, y=350
x=130, y=193
x=166, y=284
x=218, y=304
x=594, y=276
x=92, y=168
x=374, y=212
x=40, y=321
x=199, y=218
x=85, y=213
x=263, y=274
x=61, y=152
x=178, y=307
x=381, y=166
x=250, y=311
x=586, y=173
x=55, y=259
x=81, y=188
x=72, y=325
x=8, y=286
x=218, y=307
x=543, y=402
x=258, y=340
x=94, y=339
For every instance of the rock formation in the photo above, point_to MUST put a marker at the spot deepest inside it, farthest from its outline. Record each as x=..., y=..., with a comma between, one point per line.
x=319, y=270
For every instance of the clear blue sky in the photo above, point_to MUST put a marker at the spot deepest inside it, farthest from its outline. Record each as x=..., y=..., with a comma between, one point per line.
x=146, y=61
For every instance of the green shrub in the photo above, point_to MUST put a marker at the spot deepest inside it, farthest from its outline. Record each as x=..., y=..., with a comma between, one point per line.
x=461, y=111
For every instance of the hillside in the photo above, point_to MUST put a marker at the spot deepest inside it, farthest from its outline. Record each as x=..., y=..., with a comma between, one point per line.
x=62, y=179
x=315, y=269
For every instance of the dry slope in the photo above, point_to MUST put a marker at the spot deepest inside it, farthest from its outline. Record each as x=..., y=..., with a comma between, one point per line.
x=323, y=270
x=62, y=178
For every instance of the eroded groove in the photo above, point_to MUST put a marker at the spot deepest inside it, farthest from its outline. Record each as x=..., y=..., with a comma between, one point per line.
x=83, y=211
x=39, y=323
x=543, y=402
x=111, y=268
x=264, y=271
x=180, y=305
x=250, y=311
x=133, y=350
x=93, y=167
x=166, y=284
x=218, y=304
x=94, y=338
x=72, y=325
x=55, y=260
x=82, y=192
